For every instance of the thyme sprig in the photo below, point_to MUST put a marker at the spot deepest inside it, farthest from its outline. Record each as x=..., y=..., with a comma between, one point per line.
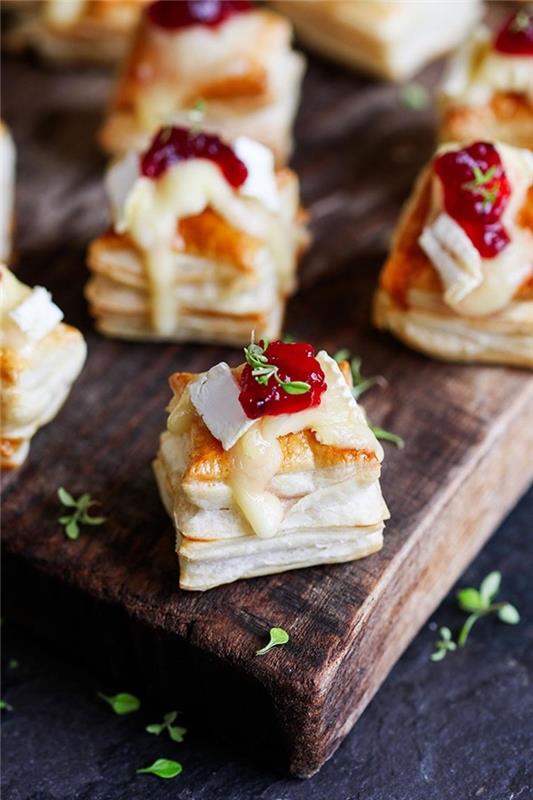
x=479, y=603
x=444, y=645
x=175, y=732
x=479, y=185
x=80, y=516
x=263, y=371
x=362, y=385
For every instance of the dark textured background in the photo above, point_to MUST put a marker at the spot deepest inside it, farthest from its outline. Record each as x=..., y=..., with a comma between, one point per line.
x=461, y=729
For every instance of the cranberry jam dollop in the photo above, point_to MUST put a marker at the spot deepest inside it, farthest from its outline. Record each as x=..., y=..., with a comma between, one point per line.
x=476, y=193
x=515, y=37
x=175, y=14
x=294, y=362
x=172, y=145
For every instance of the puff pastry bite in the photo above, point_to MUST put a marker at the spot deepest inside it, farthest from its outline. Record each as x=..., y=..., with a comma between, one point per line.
x=232, y=57
x=40, y=359
x=488, y=90
x=75, y=31
x=204, y=242
x=7, y=191
x=269, y=467
x=389, y=38
x=459, y=281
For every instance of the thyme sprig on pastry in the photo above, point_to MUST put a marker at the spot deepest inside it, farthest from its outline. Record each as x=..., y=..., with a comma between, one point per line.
x=263, y=371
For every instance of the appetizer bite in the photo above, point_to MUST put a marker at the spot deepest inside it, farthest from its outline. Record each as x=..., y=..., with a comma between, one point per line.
x=390, y=39
x=228, y=56
x=74, y=31
x=269, y=467
x=459, y=281
x=204, y=242
x=488, y=91
x=7, y=191
x=41, y=358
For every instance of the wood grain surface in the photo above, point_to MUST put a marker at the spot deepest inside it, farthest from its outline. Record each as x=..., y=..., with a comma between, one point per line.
x=468, y=432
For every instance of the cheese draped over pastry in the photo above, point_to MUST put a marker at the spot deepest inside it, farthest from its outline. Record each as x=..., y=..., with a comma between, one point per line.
x=7, y=191
x=392, y=39
x=487, y=94
x=252, y=497
x=440, y=296
x=242, y=70
x=40, y=359
x=192, y=257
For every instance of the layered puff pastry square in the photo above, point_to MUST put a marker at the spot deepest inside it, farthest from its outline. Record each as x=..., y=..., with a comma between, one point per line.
x=40, y=358
x=229, y=57
x=458, y=284
x=388, y=38
x=488, y=89
x=294, y=487
x=74, y=31
x=7, y=191
x=204, y=242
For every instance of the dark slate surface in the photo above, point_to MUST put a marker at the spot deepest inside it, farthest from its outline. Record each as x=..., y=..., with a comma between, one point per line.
x=458, y=730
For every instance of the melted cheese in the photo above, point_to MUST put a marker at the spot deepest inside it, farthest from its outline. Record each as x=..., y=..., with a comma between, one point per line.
x=148, y=210
x=257, y=456
x=478, y=71
x=477, y=287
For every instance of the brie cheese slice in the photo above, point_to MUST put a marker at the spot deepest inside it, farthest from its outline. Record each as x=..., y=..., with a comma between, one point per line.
x=36, y=315
x=261, y=180
x=215, y=396
x=454, y=256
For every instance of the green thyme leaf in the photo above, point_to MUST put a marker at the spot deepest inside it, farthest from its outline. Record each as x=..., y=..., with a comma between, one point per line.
x=13, y=663
x=444, y=645
x=66, y=498
x=155, y=728
x=509, y=614
x=288, y=338
x=470, y=600
x=490, y=586
x=80, y=516
x=465, y=630
x=520, y=22
x=415, y=96
x=122, y=703
x=295, y=387
x=262, y=371
x=278, y=636
x=175, y=732
x=387, y=436
x=71, y=528
x=4, y=706
x=163, y=768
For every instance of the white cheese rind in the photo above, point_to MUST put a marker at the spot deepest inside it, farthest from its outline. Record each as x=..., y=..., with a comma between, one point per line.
x=454, y=256
x=215, y=396
x=261, y=181
x=37, y=315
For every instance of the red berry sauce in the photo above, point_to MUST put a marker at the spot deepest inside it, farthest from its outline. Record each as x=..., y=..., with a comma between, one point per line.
x=476, y=193
x=295, y=362
x=171, y=145
x=515, y=37
x=175, y=14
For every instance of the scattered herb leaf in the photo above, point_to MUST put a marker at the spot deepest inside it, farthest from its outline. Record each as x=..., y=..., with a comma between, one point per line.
x=444, y=645
x=278, y=636
x=288, y=338
x=479, y=603
x=415, y=96
x=262, y=371
x=163, y=768
x=387, y=436
x=360, y=383
x=4, y=706
x=13, y=663
x=122, y=703
x=80, y=516
x=175, y=732
x=479, y=185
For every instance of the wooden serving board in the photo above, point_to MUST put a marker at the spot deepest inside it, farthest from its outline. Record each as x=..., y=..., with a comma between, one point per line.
x=467, y=459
